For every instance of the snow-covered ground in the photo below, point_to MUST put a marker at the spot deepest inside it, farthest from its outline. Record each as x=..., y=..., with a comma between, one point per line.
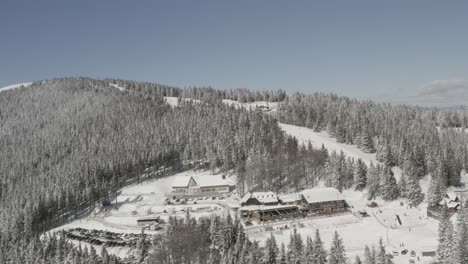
x=118, y=87
x=264, y=105
x=14, y=86
x=416, y=232
x=304, y=135
x=147, y=199
x=174, y=101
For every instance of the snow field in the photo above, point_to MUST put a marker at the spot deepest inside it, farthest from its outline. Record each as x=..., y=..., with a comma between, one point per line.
x=269, y=106
x=147, y=199
x=14, y=86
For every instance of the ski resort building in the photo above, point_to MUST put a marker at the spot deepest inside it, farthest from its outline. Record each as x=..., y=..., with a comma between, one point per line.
x=259, y=198
x=324, y=201
x=451, y=201
x=201, y=186
x=266, y=206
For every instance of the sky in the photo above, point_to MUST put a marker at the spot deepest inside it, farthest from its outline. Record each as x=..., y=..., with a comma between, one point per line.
x=395, y=51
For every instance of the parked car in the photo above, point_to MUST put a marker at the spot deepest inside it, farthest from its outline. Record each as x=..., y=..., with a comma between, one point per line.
x=412, y=261
x=404, y=252
x=412, y=253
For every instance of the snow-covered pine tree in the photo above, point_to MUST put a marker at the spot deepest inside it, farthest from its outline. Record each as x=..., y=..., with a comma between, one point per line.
x=255, y=255
x=337, y=251
x=271, y=250
x=368, y=256
x=283, y=257
x=461, y=237
x=403, y=186
x=360, y=175
x=308, y=251
x=388, y=185
x=381, y=258
x=436, y=191
x=320, y=254
x=373, y=181
x=414, y=192
x=295, y=247
x=367, y=144
x=445, y=249
x=357, y=260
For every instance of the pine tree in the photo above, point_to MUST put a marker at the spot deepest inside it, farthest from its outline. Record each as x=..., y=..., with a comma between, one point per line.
x=309, y=251
x=381, y=258
x=357, y=260
x=388, y=183
x=369, y=256
x=320, y=254
x=367, y=144
x=360, y=175
x=414, y=192
x=461, y=237
x=271, y=250
x=283, y=257
x=337, y=252
x=403, y=186
x=295, y=247
x=373, y=181
x=436, y=192
x=445, y=248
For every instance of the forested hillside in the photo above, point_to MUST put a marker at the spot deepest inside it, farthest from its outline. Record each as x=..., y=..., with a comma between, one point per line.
x=66, y=144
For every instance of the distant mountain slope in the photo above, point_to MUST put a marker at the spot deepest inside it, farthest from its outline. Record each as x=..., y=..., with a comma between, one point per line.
x=14, y=86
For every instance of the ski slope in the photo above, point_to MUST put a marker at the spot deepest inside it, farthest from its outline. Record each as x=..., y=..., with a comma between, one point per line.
x=304, y=135
x=14, y=86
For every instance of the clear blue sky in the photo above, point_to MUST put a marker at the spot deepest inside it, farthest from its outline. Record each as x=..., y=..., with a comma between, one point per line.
x=385, y=50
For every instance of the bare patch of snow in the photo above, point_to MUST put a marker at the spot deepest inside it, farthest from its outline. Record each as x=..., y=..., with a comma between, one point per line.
x=174, y=101
x=259, y=105
x=14, y=86
x=118, y=87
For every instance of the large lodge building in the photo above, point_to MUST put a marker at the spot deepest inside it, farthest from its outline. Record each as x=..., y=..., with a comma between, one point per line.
x=201, y=186
x=266, y=206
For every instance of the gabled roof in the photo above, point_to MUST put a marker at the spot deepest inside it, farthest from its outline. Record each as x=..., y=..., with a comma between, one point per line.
x=212, y=180
x=453, y=205
x=202, y=181
x=181, y=181
x=265, y=197
x=321, y=195
x=452, y=196
x=245, y=198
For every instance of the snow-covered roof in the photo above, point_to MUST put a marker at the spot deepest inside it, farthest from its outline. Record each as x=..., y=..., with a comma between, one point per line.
x=212, y=180
x=181, y=181
x=266, y=208
x=265, y=197
x=245, y=198
x=452, y=196
x=288, y=198
x=453, y=205
x=202, y=181
x=321, y=195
